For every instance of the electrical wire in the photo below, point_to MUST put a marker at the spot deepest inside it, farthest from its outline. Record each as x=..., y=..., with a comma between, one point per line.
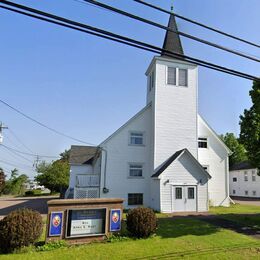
x=121, y=39
x=135, y=17
x=19, y=140
x=198, y=23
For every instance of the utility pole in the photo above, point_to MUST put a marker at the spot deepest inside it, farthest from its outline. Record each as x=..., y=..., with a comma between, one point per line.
x=2, y=127
x=36, y=162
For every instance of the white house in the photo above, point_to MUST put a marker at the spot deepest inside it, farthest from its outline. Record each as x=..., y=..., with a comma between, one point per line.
x=166, y=156
x=244, y=181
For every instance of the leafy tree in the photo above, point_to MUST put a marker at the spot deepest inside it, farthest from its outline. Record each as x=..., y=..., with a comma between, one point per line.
x=15, y=185
x=2, y=180
x=238, y=149
x=250, y=127
x=54, y=176
x=65, y=155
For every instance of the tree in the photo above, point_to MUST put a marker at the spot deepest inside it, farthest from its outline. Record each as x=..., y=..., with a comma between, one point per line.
x=250, y=127
x=65, y=155
x=15, y=185
x=238, y=149
x=2, y=180
x=54, y=176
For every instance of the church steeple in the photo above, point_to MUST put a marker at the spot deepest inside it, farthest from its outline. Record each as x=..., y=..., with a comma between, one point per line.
x=172, y=40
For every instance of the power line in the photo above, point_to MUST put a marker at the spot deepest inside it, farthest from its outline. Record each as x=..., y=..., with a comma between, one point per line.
x=16, y=154
x=41, y=124
x=19, y=140
x=15, y=165
x=30, y=154
x=198, y=23
x=122, y=39
x=135, y=17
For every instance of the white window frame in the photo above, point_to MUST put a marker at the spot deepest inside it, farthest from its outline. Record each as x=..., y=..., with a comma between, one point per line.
x=253, y=176
x=246, y=192
x=137, y=133
x=254, y=192
x=204, y=141
x=187, y=79
x=151, y=80
x=177, y=83
x=134, y=166
x=233, y=192
x=245, y=176
x=234, y=178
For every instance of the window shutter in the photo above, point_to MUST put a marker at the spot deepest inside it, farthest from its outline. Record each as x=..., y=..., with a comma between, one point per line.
x=183, y=77
x=171, y=77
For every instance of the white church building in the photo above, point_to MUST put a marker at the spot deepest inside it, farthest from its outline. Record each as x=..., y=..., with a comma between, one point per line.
x=166, y=156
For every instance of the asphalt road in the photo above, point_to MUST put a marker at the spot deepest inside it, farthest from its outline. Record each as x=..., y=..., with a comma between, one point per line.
x=37, y=203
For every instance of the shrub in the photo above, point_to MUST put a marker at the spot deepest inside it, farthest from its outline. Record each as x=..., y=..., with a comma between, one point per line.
x=20, y=228
x=52, y=245
x=141, y=222
x=33, y=192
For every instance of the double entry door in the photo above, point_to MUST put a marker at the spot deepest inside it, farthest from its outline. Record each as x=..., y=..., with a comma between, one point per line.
x=184, y=198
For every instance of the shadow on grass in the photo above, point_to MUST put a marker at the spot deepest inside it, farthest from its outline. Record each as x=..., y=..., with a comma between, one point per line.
x=181, y=226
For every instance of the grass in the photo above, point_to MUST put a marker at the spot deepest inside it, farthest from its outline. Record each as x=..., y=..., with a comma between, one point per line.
x=182, y=237
x=175, y=238
x=247, y=215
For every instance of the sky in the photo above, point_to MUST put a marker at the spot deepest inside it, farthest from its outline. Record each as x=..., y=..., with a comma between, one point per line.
x=87, y=87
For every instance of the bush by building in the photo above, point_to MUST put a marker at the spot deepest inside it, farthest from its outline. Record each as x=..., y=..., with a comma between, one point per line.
x=141, y=222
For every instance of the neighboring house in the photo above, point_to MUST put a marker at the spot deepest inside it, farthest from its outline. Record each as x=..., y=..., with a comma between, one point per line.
x=244, y=181
x=33, y=185
x=166, y=156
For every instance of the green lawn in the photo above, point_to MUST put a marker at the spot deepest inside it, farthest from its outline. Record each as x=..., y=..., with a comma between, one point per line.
x=243, y=214
x=183, y=237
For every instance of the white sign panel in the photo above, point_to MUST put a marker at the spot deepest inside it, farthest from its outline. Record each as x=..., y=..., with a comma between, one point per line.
x=87, y=226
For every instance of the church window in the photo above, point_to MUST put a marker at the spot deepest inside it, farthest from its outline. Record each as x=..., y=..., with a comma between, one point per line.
x=171, y=76
x=203, y=142
x=183, y=77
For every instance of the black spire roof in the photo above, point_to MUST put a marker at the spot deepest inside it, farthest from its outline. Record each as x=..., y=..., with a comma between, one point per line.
x=172, y=40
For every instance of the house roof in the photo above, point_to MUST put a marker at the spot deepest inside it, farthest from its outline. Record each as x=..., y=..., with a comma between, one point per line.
x=82, y=154
x=171, y=159
x=172, y=40
x=241, y=166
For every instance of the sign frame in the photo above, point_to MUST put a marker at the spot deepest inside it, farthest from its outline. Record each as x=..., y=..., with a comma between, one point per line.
x=61, y=213
x=85, y=235
x=110, y=220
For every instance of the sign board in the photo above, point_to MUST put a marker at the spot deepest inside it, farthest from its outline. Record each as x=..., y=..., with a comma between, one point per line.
x=115, y=220
x=86, y=222
x=55, y=227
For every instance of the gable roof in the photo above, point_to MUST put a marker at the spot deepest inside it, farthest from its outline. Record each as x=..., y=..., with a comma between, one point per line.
x=171, y=159
x=172, y=40
x=127, y=123
x=241, y=166
x=215, y=134
x=80, y=154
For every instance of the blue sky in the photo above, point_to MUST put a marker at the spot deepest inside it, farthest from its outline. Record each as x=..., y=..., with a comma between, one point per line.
x=87, y=87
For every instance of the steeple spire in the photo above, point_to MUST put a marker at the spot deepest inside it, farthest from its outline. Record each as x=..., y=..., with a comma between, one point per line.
x=172, y=40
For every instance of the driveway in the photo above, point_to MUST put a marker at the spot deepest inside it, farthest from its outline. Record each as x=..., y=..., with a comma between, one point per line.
x=37, y=203
x=247, y=201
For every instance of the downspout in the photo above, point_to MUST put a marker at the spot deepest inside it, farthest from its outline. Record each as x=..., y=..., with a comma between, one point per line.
x=105, y=189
